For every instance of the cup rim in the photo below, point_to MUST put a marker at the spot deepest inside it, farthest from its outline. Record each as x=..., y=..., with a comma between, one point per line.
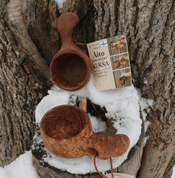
x=85, y=114
x=76, y=51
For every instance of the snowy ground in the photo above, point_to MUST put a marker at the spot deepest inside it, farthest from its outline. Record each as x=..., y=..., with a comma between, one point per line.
x=121, y=104
x=22, y=168
x=173, y=176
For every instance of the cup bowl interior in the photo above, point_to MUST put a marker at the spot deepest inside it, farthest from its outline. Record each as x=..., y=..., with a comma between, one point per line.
x=69, y=71
x=63, y=122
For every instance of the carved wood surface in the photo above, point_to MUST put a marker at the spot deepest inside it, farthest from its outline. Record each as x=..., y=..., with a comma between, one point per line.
x=130, y=166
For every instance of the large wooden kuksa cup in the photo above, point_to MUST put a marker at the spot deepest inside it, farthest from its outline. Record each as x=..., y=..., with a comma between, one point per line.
x=67, y=132
x=70, y=68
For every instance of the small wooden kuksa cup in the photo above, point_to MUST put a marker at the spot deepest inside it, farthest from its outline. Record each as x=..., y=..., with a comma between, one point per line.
x=70, y=68
x=67, y=132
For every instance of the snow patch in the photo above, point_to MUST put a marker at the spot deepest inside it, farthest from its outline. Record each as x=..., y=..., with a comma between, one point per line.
x=97, y=124
x=173, y=175
x=122, y=106
x=145, y=104
x=145, y=82
x=60, y=4
x=145, y=140
x=20, y=168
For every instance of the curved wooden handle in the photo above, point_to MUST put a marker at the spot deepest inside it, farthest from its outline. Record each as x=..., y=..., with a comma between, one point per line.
x=110, y=146
x=115, y=145
x=65, y=24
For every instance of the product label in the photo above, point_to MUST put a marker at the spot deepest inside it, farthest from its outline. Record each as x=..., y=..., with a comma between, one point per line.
x=110, y=63
x=119, y=175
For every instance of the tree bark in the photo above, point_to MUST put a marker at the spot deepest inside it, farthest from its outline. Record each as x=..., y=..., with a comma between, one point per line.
x=150, y=30
x=24, y=72
x=27, y=30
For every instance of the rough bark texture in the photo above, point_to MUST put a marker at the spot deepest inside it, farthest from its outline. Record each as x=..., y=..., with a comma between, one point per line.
x=150, y=30
x=169, y=168
x=40, y=21
x=24, y=74
x=149, y=26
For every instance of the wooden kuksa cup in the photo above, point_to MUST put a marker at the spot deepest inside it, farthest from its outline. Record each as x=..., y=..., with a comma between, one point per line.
x=67, y=132
x=70, y=68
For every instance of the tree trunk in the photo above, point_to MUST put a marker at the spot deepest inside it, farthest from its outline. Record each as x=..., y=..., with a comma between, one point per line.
x=24, y=72
x=29, y=39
